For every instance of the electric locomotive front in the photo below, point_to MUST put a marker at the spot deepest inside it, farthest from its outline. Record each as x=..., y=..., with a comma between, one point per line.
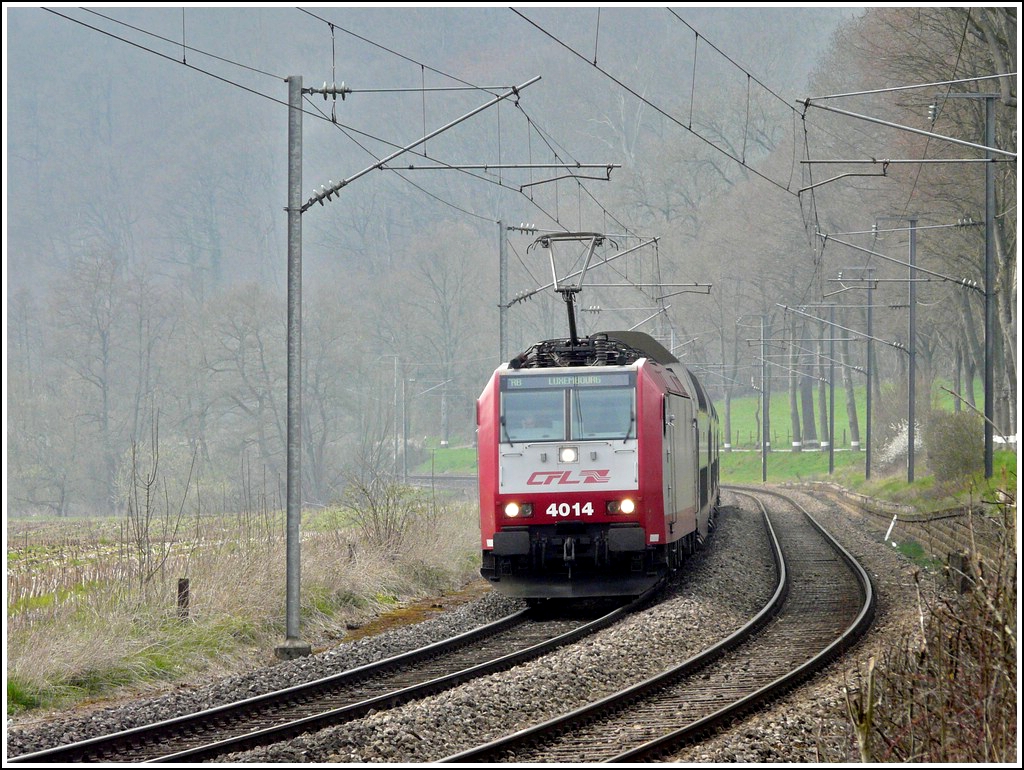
x=571, y=487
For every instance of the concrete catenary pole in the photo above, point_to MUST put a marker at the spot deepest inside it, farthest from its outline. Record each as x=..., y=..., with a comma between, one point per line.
x=765, y=424
x=870, y=353
x=912, y=369
x=502, y=294
x=832, y=391
x=293, y=646
x=990, y=304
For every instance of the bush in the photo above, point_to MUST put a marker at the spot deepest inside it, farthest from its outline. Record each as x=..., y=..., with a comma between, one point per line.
x=954, y=444
x=894, y=450
x=384, y=511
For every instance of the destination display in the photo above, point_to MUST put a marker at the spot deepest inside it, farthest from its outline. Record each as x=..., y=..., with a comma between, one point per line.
x=607, y=380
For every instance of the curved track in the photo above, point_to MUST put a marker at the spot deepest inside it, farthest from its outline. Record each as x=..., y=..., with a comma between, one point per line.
x=823, y=602
x=278, y=716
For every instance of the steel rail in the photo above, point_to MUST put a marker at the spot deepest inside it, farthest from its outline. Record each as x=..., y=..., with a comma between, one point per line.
x=672, y=741
x=488, y=751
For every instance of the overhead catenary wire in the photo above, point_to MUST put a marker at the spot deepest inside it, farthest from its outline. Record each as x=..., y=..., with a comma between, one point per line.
x=177, y=42
x=488, y=89
x=345, y=129
x=582, y=188
x=956, y=64
x=153, y=51
x=316, y=113
x=424, y=67
x=928, y=135
x=732, y=61
x=351, y=131
x=948, y=83
x=652, y=105
x=545, y=138
x=348, y=130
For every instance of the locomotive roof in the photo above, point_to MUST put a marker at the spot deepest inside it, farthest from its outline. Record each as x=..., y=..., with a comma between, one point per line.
x=602, y=348
x=646, y=344
x=609, y=348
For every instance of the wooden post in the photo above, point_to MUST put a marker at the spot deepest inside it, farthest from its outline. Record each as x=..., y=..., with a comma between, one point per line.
x=958, y=566
x=183, y=598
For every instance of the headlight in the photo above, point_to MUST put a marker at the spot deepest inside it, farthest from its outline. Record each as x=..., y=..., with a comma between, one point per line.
x=515, y=510
x=626, y=506
x=568, y=454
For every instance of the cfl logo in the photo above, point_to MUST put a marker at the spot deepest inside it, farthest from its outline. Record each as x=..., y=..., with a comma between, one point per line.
x=546, y=478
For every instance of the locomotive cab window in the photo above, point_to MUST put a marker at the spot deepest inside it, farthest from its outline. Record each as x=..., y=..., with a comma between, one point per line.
x=599, y=407
x=603, y=413
x=535, y=415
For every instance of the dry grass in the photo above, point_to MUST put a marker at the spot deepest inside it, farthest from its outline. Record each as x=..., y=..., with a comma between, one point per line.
x=82, y=622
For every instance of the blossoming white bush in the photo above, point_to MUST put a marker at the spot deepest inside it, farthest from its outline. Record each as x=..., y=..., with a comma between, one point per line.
x=896, y=448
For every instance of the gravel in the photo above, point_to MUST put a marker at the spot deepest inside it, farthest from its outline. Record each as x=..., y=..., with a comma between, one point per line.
x=810, y=723
x=714, y=594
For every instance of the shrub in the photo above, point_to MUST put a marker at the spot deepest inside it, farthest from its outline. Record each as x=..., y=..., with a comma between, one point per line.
x=384, y=511
x=894, y=449
x=955, y=444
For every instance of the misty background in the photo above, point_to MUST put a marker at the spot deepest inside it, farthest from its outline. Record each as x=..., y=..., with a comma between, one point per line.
x=145, y=225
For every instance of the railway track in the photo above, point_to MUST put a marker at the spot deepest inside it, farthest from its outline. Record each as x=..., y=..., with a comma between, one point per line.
x=279, y=716
x=823, y=602
x=220, y=732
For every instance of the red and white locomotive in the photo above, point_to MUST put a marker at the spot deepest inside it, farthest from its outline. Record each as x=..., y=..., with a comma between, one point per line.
x=598, y=463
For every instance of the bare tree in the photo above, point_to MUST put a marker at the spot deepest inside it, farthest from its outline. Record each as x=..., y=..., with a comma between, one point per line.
x=248, y=366
x=89, y=305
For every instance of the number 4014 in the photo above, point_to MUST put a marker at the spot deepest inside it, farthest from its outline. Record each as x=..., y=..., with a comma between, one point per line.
x=566, y=510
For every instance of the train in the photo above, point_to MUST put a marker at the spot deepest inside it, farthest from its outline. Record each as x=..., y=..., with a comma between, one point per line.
x=598, y=462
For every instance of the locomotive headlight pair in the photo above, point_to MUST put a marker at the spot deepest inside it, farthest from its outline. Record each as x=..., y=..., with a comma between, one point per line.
x=626, y=506
x=515, y=510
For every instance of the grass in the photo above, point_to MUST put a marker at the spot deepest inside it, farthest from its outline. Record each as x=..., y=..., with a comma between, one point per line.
x=916, y=553
x=457, y=460
x=746, y=467
x=744, y=416
x=925, y=494
x=70, y=640
x=19, y=698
